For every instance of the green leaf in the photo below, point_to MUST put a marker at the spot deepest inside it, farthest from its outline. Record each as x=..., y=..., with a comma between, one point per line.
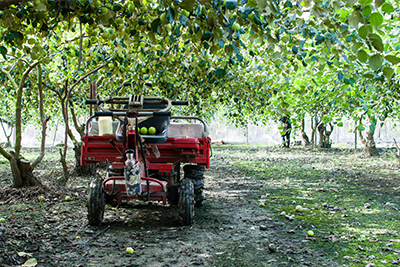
x=368, y=74
x=356, y=46
x=376, y=41
x=362, y=55
x=3, y=52
x=378, y=3
x=392, y=59
x=207, y=36
x=365, y=2
x=340, y=124
x=354, y=19
x=376, y=19
x=231, y=4
x=170, y=15
x=364, y=30
x=375, y=62
x=367, y=11
x=188, y=5
x=388, y=72
x=155, y=24
x=387, y=7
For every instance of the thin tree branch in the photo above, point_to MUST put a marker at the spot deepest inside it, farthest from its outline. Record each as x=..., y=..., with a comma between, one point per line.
x=18, y=111
x=84, y=76
x=43, y=119
x=4, y=153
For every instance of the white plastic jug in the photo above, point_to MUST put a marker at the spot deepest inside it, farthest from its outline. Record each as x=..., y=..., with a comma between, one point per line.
x=105, y=126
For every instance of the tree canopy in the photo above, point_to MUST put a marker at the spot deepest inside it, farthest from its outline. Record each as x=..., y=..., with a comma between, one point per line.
x=257, y=58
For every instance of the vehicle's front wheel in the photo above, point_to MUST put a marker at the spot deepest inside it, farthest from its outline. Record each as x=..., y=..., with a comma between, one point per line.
x=96, y=201
x=196, y=174
x=186, y=202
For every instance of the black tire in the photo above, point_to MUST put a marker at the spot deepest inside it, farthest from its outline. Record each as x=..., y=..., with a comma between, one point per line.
x=96, y=202
x=186, y=202
x=196, y=174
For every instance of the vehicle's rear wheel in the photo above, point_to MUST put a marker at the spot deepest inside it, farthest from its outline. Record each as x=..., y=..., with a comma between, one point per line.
x=186, y=202
x=96, y=201
x=196, y=174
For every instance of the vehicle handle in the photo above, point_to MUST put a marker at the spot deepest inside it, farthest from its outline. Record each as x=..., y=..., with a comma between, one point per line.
x=103, y=113
x=180, y=103
x=93, y=102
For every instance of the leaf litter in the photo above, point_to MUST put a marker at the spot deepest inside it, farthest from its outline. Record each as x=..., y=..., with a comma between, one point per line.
x=333, y=187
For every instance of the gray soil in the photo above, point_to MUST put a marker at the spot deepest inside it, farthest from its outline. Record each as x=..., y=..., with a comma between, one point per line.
x=229, y=230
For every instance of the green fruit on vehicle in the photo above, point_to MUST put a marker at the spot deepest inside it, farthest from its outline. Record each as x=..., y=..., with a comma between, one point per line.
x=152, y=130
x=143, y=130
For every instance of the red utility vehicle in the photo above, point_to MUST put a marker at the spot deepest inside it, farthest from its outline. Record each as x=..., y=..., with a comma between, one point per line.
x=145, y=166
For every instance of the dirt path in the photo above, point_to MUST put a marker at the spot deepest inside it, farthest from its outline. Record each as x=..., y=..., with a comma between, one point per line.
x=230, y=230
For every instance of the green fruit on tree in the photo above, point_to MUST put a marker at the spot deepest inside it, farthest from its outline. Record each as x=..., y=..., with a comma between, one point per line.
x=250, y=16
x=129, y=250
x=103, y=10
x=152, y=130
x=119, y=20
x=185, y=12
x=97, y=3
x=131, y=7
x=144, y=70
x=163, y=18
x=158, y=47
x=142, y=44
x=143, y=130
x=236, y=26
x=310, y=233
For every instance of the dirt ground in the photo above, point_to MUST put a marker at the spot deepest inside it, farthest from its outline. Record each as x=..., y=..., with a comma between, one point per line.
x=229, y=230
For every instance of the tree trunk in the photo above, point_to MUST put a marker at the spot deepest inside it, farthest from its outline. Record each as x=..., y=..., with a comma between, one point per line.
x=327, y=135
x=321, y=132
x=304, y=134
x=368, y=141
x=63, y=159
x=22, y=172
x=324, y=135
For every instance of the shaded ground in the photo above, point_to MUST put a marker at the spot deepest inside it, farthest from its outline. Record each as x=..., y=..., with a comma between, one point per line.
x=230, y=230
